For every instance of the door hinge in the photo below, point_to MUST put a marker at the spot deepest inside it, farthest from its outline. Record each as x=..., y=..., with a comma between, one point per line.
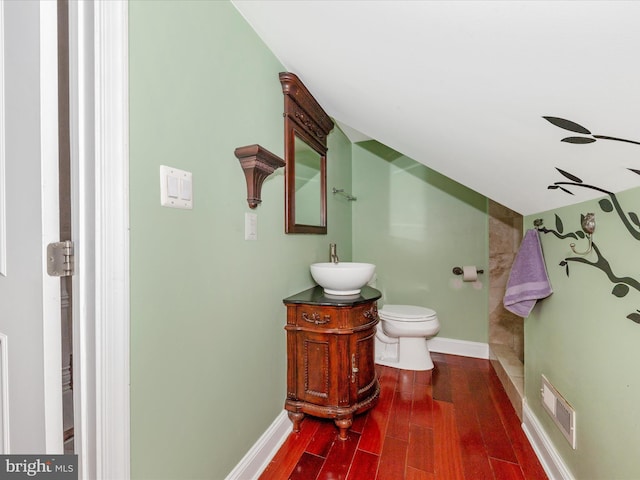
x=60, y=262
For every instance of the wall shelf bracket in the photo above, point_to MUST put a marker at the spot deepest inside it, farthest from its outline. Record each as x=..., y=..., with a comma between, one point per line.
x=257, y=163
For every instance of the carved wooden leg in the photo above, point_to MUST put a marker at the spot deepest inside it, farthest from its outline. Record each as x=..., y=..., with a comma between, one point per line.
x=343, y=424
x=296, y=418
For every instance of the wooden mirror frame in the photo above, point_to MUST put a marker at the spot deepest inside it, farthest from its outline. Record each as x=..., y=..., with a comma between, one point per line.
x=304, y=118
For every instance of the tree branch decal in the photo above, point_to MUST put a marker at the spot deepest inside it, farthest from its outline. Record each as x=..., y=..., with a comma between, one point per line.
x=577, y=128
x=558, y=232
x=630, y=220
x=622, y=285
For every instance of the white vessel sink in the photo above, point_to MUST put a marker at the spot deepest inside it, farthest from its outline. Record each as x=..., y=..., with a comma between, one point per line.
x=342, y=278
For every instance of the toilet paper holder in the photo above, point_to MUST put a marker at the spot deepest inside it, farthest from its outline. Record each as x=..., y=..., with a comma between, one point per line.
x=459, y=271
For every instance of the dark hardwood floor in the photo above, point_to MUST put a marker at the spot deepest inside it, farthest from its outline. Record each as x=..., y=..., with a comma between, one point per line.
x=454, y=422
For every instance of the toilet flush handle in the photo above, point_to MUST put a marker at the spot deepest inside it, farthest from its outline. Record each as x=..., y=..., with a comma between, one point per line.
x=354, y=369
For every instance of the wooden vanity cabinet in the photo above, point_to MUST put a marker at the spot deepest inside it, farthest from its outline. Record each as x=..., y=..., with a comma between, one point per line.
x=330, y=356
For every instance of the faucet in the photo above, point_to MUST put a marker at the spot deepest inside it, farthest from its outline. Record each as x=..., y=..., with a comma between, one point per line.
x=333, y=256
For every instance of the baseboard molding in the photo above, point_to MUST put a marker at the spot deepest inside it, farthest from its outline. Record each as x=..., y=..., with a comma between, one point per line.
x=549, y=457
x=463, y=348
x=259, y=456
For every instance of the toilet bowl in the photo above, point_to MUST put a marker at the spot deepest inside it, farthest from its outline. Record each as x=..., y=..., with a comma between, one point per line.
x=401, y=337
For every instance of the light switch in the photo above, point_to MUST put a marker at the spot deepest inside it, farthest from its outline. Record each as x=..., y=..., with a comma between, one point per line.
x=185, y=189
x=250, y=226
x=176, y=188
x=173, y=186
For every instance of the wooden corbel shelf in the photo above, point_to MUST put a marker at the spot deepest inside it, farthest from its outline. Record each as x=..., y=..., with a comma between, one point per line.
x=257, y=163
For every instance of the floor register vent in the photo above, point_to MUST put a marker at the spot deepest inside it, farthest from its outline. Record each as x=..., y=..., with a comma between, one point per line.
x=562, y=413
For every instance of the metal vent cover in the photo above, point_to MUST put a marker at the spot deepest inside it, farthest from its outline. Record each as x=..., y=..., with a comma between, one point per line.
x=560, y=411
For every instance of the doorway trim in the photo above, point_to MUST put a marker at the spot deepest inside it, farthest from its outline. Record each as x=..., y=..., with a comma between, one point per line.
x=3, y=221
x=100, y=161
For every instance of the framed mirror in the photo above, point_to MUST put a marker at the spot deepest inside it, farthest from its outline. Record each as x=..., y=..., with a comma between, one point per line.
x=310, y=178
x=306, y=127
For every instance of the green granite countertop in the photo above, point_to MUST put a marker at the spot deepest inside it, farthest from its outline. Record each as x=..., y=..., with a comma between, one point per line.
x=316, y=296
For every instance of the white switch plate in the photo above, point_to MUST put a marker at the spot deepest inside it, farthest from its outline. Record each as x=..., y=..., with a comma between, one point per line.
x=250, y=226
x=176, y=188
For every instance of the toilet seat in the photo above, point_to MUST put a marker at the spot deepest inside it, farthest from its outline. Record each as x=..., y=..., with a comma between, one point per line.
x=407, y=313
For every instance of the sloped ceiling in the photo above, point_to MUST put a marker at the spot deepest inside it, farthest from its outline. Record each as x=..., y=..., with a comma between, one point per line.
x=463, y=87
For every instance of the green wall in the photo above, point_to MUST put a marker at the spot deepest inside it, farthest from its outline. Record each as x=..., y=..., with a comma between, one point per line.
x=208, y=348
x=581, y=340
x=207, y=339
x=416, y=225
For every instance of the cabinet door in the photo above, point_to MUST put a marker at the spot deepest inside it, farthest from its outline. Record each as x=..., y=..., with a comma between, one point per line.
x=316, y=358
x=363, y=373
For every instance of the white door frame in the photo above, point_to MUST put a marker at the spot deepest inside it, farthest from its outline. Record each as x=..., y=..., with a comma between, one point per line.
x=3, y=217
x=100, y=195
x=51, y=314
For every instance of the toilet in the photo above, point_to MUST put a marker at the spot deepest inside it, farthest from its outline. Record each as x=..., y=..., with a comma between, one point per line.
x=401, y=337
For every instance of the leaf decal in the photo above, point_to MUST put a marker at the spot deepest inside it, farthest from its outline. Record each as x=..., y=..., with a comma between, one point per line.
x=634, y=218
x=637, y=172
x=634, y=317
x=559, y=226
x=605, y=205
x=580, y=234
x=578, y=140
x=568, y=175
x=566, y=191
x=620, y=290
x=565, y=264
x=567, y=125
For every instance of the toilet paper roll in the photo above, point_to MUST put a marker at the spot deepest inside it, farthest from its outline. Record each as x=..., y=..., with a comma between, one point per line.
x=469, y=273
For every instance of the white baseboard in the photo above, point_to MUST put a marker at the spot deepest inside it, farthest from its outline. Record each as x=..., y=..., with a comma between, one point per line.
x=458, y=347
x=549, y=457
x=259, y=456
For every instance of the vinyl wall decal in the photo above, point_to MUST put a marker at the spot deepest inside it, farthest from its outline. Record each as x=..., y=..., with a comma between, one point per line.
x=577, y=128
x=630, y=220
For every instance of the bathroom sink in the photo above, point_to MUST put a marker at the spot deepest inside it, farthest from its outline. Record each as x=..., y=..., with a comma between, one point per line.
x=342, y=278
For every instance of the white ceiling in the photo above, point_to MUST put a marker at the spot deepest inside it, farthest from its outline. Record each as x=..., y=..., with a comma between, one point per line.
x=462, y=86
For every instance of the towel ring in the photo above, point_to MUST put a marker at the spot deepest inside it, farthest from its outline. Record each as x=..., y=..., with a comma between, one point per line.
x=588, y=226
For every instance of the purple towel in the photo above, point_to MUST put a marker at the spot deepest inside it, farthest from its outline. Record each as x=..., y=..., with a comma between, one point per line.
x=528, y=280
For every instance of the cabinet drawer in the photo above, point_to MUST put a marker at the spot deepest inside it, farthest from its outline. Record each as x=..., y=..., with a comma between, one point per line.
x=363, y=315
x=320, y=317
x=315, y=317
